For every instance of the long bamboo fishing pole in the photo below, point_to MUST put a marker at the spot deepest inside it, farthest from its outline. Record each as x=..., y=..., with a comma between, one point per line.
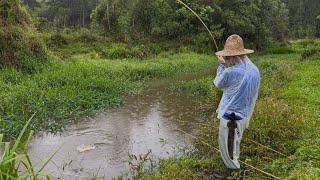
x=200, y=19
x=215, y=43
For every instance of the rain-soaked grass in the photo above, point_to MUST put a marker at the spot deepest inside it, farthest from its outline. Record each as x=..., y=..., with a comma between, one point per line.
x=286, y=120
x=81, y=86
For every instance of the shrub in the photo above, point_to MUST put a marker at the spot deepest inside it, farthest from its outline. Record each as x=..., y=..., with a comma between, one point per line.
x=121, y=51
x=57, y=40
x=116, y=51
x=18, y=38
x=140, y=51
x=86, y=36
x=155, y=48
x=310, y=52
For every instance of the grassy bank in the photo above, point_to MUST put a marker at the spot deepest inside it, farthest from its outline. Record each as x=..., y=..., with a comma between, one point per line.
x=82, y=83
x=79, y=86
x=286, y=120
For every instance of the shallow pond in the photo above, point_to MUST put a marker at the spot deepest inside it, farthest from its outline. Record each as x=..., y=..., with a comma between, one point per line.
x=146, y=122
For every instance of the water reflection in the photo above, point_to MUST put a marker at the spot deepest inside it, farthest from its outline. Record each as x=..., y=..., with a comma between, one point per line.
x=146, y=122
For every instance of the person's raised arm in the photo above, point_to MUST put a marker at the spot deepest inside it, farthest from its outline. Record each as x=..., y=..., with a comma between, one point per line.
x=221, y=79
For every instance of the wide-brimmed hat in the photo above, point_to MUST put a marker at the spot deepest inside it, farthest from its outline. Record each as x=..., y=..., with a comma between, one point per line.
x=234, y=47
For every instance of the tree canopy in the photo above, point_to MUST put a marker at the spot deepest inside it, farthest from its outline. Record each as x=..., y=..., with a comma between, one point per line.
x=260, y=22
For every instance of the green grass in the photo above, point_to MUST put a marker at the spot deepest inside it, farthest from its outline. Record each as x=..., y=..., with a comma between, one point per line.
x=199, y=87
x=84, y=83
x=303, y=92
x=67, y=90
x=286, y=119
x=184, y=168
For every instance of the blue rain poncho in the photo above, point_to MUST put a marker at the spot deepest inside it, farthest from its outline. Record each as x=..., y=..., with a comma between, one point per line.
x=240, y=85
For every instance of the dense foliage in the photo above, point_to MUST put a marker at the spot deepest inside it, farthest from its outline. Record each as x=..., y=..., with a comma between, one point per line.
x=19, y=44
x=304, y=18
x=61, y=13
x=260, y=22
x=165, y=19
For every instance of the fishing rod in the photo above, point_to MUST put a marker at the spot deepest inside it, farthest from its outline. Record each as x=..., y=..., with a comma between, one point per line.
x=217, y=49
x=200, y=19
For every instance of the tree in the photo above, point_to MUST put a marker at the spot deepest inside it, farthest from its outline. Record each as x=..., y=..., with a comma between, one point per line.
x=257, y=21
x=318, y=26
x=31, y=3
x=302, y=17
x=142, y=15
x=64, y=13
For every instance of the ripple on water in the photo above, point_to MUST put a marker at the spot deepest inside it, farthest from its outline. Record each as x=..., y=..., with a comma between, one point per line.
x=146, y=122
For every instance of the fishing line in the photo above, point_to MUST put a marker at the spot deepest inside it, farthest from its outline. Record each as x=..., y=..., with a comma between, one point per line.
x=216, y=46
x=218, y=150
x=255, y=142
x=200, y=19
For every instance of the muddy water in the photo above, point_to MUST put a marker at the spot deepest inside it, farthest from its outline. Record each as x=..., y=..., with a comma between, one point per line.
x=146, y=122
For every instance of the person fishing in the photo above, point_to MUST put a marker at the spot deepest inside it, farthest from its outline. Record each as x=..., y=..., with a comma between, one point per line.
x=240, y=83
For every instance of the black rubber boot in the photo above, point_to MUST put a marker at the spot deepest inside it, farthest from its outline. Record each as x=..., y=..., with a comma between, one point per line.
x=218, y=176
x=224, y=176
x=227, y=174
x=230, y=171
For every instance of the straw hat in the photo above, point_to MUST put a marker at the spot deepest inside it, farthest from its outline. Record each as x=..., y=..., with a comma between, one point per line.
x=234, y=47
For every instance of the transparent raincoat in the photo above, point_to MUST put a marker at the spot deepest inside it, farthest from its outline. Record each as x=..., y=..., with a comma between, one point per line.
x=240, y=85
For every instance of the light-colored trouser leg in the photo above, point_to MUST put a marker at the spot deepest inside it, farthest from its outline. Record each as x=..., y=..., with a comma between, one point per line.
x=223, y=142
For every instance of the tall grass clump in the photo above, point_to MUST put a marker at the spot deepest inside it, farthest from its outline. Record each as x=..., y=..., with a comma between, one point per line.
x=15, y=162
x=310, y=52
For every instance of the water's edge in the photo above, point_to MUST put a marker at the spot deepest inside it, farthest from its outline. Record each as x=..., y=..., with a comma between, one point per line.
x=146, y=122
